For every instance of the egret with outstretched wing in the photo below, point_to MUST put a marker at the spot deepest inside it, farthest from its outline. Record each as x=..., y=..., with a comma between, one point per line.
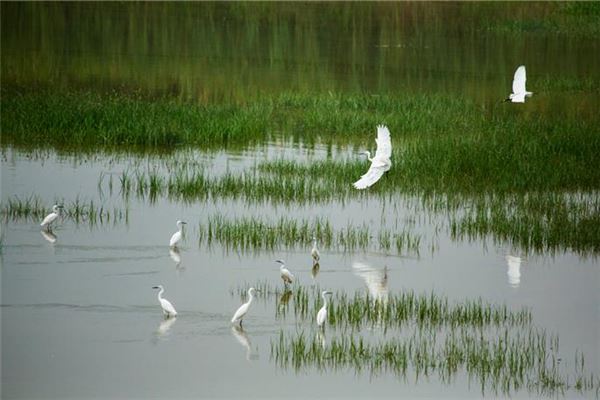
x=381, y=162
x=518, y=86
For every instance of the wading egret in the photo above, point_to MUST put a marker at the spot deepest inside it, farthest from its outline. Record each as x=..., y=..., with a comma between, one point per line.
x=518, y=86
x=50, y=218
x=176, y=238
x=514, y=270
x=381, y=162
x=315, y=252
x=167, y=307
x=322, y=314
x=286, y=275
x=241, y=312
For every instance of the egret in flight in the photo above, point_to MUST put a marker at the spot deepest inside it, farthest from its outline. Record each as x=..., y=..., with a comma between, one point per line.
x=315, y=252
x=286, y=275
x=518, y=86
x=50, y=218
x=241, y=312
x=176, y=238
x=381, y=162
x=167, y=307
x=322, y=314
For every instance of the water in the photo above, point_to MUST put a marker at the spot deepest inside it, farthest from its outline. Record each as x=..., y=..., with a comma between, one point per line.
x=78, y=316
x=81, y=310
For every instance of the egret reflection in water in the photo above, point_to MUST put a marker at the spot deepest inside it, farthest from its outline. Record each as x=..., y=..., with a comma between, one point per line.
x=49, y=236
x=514, y=270
x=240, y=335
x=164, y=326
x=376, y=280
x=175, y=256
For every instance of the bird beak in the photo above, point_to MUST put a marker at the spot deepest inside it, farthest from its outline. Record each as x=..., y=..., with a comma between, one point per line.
x=155, y=287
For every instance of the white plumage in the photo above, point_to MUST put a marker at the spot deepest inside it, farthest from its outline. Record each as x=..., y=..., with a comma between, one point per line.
x=286, y=275
x=50, y=218
x=241, y=312
x=176, y=238
x=167, y=307
x=322, y=314
x=381, y=162
x=315, y=252
x=518, y=86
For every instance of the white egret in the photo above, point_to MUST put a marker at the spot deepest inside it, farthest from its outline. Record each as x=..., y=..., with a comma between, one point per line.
x=315, y=252
x=322, y=314
x=381, y=162
x=514, y=270
x=167, y=307
x=176, y=238
x=241, y=312
x=50, y=218
x=286, y=275
x=518, y=86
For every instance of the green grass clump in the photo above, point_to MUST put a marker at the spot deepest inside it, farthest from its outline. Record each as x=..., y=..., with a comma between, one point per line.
x=253, y=233
x=33, y=209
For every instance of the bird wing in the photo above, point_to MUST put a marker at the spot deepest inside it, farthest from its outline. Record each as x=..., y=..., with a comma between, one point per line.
x=49, y=219
x=384, y=143
x=168, y=307
x=519, y=79
x=239, y=314
x=518, y=98
x=373, y=175
x=175, y=238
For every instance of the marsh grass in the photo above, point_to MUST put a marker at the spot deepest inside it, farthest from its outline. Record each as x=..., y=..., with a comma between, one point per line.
x=421, y=335
x=33, y=209
x=253, y=233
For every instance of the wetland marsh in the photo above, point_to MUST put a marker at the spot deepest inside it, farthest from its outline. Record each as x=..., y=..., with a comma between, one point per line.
x=470, y=270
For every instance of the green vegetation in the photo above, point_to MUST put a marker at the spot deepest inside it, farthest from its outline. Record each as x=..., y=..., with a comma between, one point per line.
x=80, y=212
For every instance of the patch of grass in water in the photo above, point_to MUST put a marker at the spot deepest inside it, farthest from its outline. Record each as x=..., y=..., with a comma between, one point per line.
x=33, y=209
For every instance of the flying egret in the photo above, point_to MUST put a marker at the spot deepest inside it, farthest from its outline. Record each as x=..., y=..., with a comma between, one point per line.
x=315, y=252
x=518, y=86
x=241, y=312
x=322, y=314
x=50, y=218
x=381, y=162
x=167, y=307
x=514, y=270
x=286, y=275
x=176, y=238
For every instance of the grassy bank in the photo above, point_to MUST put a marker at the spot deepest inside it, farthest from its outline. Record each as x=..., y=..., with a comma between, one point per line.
x=440, y=142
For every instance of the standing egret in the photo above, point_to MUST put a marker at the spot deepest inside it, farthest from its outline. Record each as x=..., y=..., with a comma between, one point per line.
x=176, y=238
x=518, y=86
x=286, y=275
x=50, y=218
x=315, y=252
x=381, y=162
x=241, y=312
x=514, y=270
x=322, y=314
x=167, y=307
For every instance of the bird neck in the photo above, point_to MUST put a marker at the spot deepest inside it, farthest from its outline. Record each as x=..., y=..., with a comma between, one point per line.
x=160, y=293
x=324, y=300
x=251, y=298
x=281, y=267
x=369, y=156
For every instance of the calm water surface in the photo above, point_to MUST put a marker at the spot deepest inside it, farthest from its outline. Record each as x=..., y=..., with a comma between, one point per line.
x=79, y=318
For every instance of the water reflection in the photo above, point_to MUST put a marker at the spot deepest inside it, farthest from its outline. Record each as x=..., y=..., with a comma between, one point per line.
x=514, y=270
x=376, y=280
x=175, y=256
x=240, y=335
x=315, y=270
x=49, y=236
x=165, y=326
x=321, y=338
